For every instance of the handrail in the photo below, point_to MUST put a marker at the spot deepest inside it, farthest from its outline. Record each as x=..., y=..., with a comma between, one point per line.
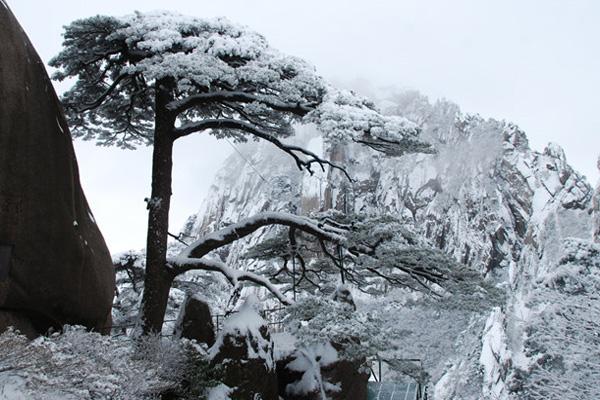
x=421, y=392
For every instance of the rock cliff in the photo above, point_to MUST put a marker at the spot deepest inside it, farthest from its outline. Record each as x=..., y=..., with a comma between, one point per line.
x=55, y=268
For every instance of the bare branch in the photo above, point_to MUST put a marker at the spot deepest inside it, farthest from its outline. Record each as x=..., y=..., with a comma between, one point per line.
x=98, y=102
x=230, y=123
x=178, y=238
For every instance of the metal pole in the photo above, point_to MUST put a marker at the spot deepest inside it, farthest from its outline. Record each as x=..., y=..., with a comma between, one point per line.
x=294, y=274
x=339, y=248
x=340, y=255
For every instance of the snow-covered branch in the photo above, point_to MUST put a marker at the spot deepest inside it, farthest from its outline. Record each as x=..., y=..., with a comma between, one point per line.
x=180, y=265
x=243, y=228
x=367, y=252
x=203, y=99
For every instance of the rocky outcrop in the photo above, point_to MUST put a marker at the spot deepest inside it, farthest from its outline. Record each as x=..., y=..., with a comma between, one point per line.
x=195, y=321
x=243, y=354
x=351, y=376
x=316, y=372
x=55, y=267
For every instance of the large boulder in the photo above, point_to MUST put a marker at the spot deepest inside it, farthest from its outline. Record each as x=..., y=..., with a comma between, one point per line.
x=195, y=321
x=243, y=353
x=55, y=268
x=321, y=370
x=350, y=376
x=318, y=372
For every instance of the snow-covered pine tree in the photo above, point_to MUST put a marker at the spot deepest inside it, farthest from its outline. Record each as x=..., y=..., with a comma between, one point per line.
x=154, y=78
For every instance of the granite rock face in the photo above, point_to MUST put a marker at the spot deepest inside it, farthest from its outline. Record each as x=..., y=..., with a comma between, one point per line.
x=55, y=268
x=195, y=321
x=487, y=198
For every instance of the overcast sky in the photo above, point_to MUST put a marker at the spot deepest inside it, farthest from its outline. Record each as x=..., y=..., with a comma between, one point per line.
x=536, y=63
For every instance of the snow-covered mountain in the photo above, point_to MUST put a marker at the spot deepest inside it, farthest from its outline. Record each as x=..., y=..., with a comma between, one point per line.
x=523, y=219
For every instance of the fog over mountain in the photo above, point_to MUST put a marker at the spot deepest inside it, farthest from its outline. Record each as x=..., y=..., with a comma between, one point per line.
x=531, y=63
x=523, y=219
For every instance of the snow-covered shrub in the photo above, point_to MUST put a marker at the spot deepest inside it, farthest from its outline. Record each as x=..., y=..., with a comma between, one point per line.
x=129, y=268
x=316, y=319
x=77, y=364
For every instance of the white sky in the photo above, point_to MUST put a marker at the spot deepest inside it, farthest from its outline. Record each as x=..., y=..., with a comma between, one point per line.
x=536, y=63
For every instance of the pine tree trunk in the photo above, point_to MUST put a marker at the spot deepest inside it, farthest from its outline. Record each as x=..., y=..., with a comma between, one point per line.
x=158, y=279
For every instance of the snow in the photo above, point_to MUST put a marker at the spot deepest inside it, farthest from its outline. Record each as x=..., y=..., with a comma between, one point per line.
x=262, y=219
x=77, y=364
x=155, y=202
x=245, y=320
x=539, y=201
x=202, y=59
x=554, y=150
x=284, y=344
x=12, y=387
x=91, y=216
x=234, y=276
x=59, y=125
x=492, y=354
x=344, y=115
x=310, y=360
x=220, y=392
x=212, y=57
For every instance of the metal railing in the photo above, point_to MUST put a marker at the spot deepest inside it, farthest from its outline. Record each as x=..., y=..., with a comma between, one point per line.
x=420, y=383
x=272, y=316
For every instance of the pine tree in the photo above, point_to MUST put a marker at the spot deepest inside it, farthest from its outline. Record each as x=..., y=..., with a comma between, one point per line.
x=150, y=79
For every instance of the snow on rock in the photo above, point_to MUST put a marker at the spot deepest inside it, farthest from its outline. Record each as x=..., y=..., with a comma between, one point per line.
x=284, y=344
x=309, y=362
x=493, y=355
x=244, y=352
x=596, y=210
x=343, y=294
x=248, y=324
x=220, y=392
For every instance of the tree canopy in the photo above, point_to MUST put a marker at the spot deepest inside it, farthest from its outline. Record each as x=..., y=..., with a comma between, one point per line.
x=224, y=77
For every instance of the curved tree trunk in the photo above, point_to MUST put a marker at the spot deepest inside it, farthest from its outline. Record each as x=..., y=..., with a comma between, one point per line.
x=158, y=279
